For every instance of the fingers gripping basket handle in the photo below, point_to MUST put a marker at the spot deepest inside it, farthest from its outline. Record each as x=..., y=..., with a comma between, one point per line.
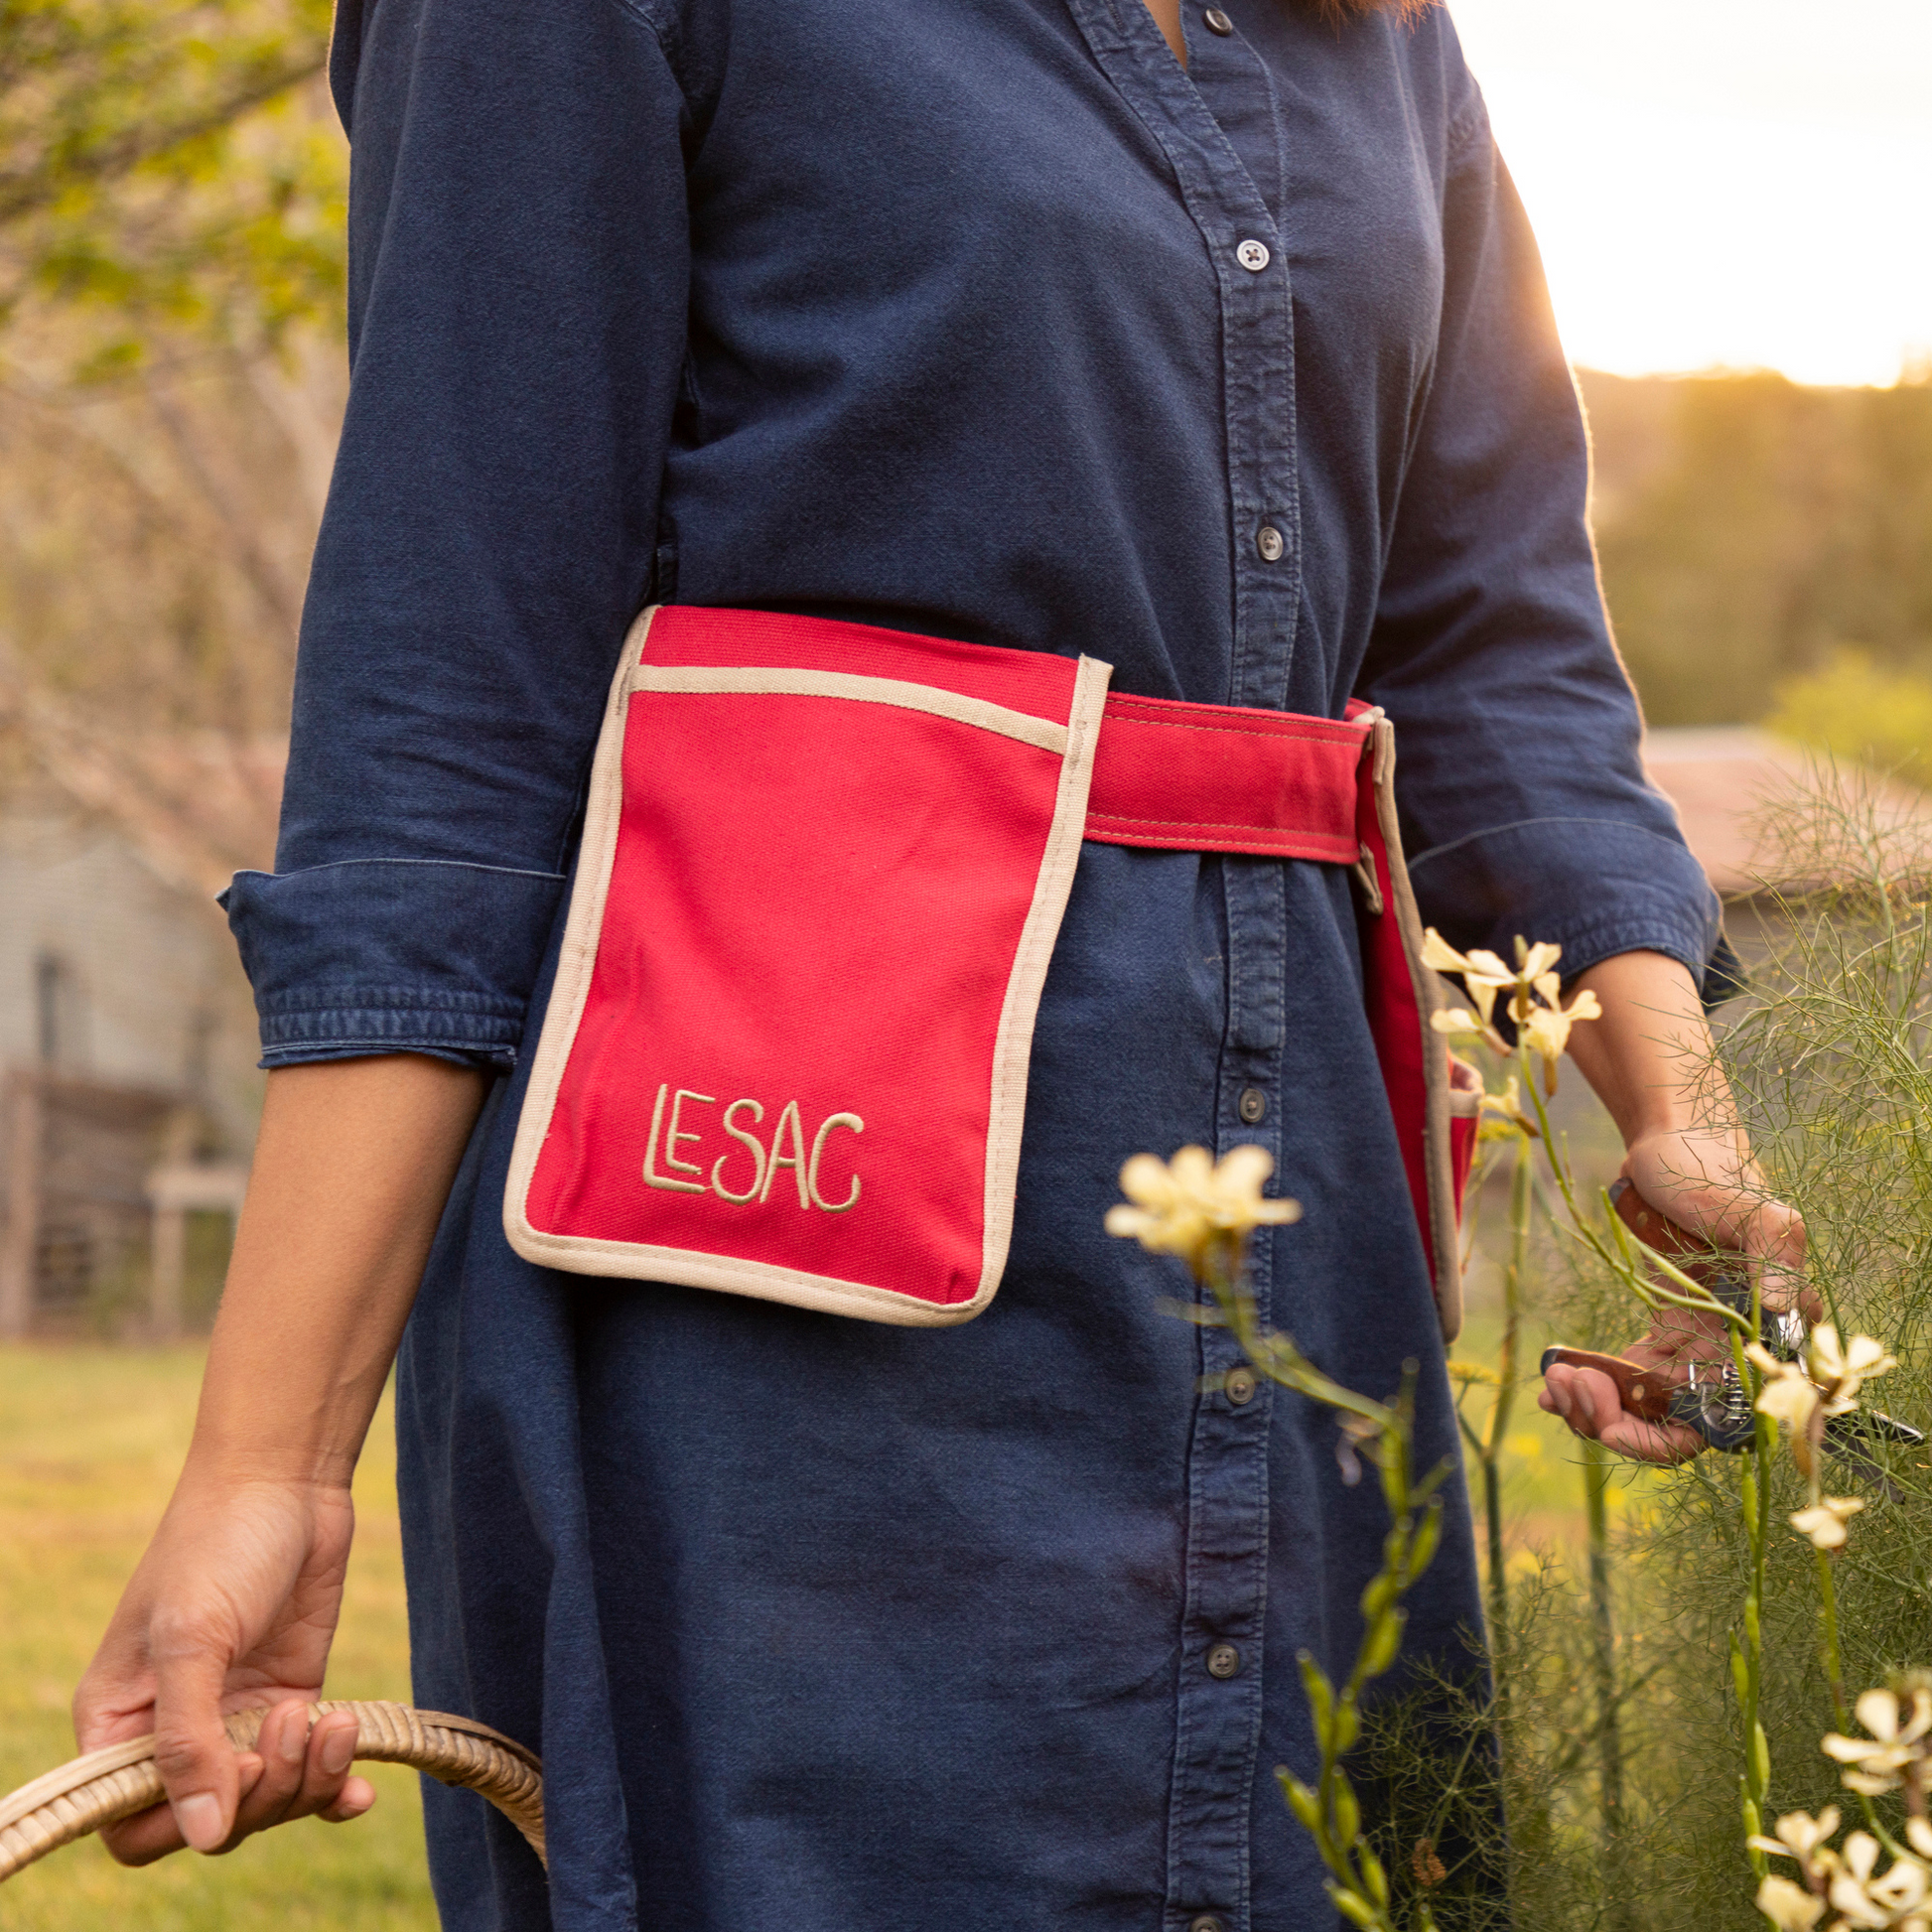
x=108, y=1785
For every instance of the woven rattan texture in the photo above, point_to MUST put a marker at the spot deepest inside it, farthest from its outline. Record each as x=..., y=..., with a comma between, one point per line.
x=108, y=1785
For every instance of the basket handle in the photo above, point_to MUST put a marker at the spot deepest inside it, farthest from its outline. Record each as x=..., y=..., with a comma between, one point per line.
x=105, y=1786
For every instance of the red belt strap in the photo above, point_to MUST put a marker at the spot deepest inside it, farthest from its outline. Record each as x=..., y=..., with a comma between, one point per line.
x=1202, y=778
x=1210, y=777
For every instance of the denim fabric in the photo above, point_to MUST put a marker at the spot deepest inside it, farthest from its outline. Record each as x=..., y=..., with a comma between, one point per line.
x=936, y=317
x=393, y=956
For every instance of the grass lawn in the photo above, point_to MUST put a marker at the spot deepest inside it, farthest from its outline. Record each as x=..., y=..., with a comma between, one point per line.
x=90, y=1441
x=1543, y=1463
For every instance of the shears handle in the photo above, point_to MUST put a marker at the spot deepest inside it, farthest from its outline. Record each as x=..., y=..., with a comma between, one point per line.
x=1712, y=1401
x=1725, y=1274
x=1644, y=1391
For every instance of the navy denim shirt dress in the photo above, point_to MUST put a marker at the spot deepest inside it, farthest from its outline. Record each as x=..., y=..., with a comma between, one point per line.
x=982, y=319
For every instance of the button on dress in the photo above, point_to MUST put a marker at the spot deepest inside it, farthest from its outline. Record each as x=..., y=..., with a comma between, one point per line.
x=981, y=319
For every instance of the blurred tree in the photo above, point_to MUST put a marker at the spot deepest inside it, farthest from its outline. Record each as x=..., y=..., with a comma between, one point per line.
x=155, y=173
x=172, y=186
x=1746, y=527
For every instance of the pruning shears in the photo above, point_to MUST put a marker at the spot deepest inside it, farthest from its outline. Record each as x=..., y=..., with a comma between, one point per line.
x=1712, y=1400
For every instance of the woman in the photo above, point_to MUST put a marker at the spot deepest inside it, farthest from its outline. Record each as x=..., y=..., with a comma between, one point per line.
x=1210, y=343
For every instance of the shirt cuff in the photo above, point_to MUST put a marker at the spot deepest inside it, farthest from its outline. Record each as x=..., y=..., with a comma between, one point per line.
x=1593, y=886
x=392, y=956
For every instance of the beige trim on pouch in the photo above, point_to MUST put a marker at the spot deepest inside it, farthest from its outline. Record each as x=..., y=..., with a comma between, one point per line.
x=1443, y=1217
x=1013, y=1048
x=1013, y=1051
x=603, y=811
x=701, y=678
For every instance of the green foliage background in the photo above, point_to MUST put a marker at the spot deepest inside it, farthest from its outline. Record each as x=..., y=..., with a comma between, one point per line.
x=1747, y=527
x=172, y=185
x=156, y=174
x=1858, y=708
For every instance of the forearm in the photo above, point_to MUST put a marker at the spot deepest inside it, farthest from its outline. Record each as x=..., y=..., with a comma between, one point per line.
x=1650, y=1057
x=1655, y=1067
x=353, y=1167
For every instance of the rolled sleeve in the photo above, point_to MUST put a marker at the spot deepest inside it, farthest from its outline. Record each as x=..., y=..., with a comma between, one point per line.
x=1519, y=778
x=518, y=292
x=1595, y=886
x=393, y=956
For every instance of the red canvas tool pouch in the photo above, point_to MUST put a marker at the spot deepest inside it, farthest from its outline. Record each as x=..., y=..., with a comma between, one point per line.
x=822, y=873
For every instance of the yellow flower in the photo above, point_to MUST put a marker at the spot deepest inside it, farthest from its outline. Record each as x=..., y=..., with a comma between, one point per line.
x=1181, y=1207
x=1874, y=1762
x=1460, y=1024
x=1535, y=972
x=1507, y=1108
x=1507, y=1105
x=1841, y=1372
x=1547, y=1028
x=1535, y=992
x=1481, y=971
x=1865, y=1900
x=1789, y=1907
x=1788, y=1396
x=1901, y=1890
x=1799, y=1835
x=1485, y=975
x=1468, y=1372
x=1825, y=1521
x=1847, y=1889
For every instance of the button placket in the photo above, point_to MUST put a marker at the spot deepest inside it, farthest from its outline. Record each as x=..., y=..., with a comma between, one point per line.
x=1211, y=1806
x=1228, y=1542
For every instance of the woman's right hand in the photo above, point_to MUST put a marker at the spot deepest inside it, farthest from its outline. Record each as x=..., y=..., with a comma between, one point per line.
x=232, y=1607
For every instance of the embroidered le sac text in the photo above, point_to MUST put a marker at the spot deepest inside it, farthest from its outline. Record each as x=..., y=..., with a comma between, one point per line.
x=787, y=1150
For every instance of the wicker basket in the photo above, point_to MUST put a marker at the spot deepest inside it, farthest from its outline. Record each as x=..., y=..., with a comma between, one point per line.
x=108, y=1785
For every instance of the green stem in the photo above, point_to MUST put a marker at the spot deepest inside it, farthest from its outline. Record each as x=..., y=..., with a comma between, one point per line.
x=1755, y=1512
x=1637, y=1266
x=1630, y=1260
x=1610, y=1738
x=1330, y=1811
x=1834, y=1661
x=1499, y=1413
x=1498, y=1579
x=1828, y=1634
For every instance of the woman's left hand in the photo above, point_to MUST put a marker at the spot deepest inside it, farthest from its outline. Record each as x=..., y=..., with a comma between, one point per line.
x=1707, y=1183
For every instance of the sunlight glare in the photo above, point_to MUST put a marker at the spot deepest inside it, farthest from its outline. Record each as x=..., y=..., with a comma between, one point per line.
x=1723, y=184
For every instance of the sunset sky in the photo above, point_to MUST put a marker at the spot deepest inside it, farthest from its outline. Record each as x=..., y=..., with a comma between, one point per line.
x=1723, y=183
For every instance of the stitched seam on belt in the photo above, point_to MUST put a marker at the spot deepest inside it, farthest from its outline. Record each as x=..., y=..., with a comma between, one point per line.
x=1119, y=700
x=1121, y=707
x=1269, y=848
x=1221, y=826
x=1245, y=731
